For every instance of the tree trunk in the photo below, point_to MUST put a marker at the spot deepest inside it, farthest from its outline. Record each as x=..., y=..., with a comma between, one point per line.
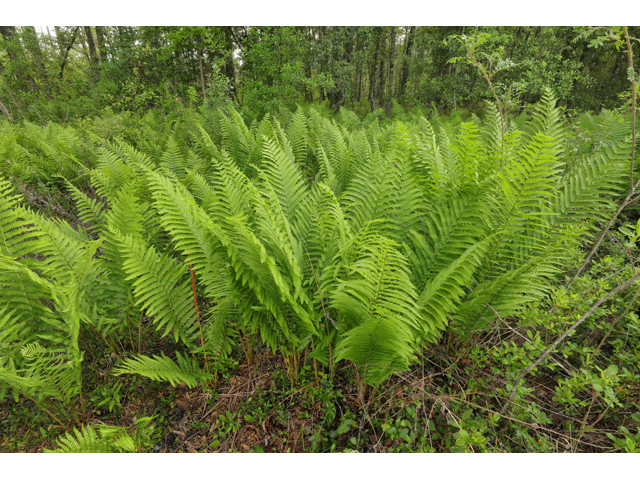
x=9, y=36
x=93, y=59
x=102, y=46
x=405, y=62
x=392, y=51
x=373, y=77
x=84, y=47
x=51, y=42
x=359, y=82
x=66, y=52
x=204, y=91
x=380, y=80
x=229, y=69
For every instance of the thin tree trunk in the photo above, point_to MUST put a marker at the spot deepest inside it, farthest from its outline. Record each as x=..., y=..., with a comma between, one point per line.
x=229, y=66
x=392, y=50
x=66, y=52
x=359, y=91
x=380, y=73
x=51, y=42
x=6, y=112
x=405, y=62
x=84, y=47
x=373, y=77
x=9, y=36
x=204, y=92
x=93, y=59
x=102, y=46
x=57, y=31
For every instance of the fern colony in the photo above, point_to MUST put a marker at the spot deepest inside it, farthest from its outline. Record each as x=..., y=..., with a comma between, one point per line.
x=342, y=240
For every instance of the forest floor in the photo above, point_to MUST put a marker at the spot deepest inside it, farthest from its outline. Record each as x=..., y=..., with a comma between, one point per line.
x=255, y=408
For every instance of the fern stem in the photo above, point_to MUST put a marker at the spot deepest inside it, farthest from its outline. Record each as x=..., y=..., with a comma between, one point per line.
x=69, y=405
x=83, y=405
x=44, y=407
x=113, y=348
x=195, y=302
x=140, y=334
x=315, y=363
x=326, y=317
x=248, y=353
x=129, y=328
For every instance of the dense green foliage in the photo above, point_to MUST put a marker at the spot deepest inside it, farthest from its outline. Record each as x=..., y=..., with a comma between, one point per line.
x=228, y=228
x=329, y=237
x=73, y=71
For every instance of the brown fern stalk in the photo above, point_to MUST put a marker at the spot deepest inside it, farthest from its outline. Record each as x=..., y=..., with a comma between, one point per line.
x=140, y=335
x=195, y=302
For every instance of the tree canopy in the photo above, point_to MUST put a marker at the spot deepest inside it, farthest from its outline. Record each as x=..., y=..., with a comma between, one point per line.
x=73, y=71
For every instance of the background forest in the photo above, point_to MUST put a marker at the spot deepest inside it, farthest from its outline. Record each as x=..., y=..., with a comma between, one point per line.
x=319, y=239
x=66, y=72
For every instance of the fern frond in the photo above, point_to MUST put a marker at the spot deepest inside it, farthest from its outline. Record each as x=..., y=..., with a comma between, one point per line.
x=55, y=375
x=29, y=295
x=16, y=238
x=387, y=190
x=297, y=134
x=90, y=210
x=86, y=440
x=173, y=160
x=218, y=335
x=160, y=288
x=439, y=298
x=62, y=252
x=283, y=175
x=445, y=232
x=378, y=311
x=163, y=368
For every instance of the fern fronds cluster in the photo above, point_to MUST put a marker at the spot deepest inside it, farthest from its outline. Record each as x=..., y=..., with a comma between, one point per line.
x=358, y=240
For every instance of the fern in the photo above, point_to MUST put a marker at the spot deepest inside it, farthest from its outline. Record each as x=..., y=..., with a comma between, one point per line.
x=15, y=237
x=160, y=288
x=163, y=368
x=106, y=439
x=356, y=239
x=378, y=311
x=86, y=440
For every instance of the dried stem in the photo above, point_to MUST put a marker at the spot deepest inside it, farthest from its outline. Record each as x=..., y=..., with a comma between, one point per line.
x=486, y=77
x=633, y=103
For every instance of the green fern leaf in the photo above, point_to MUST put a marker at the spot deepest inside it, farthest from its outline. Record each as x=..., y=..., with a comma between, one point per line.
x=163, y=368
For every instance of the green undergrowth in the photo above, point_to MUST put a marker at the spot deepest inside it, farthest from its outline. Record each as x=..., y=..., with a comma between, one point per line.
x=311, y=282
